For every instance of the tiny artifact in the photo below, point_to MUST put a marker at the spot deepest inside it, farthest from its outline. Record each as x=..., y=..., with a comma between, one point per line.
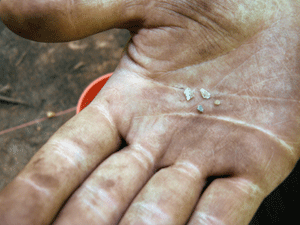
x=50, y=114
x=189, y=94
x=217, y=102
x=205, y=94
x=200, y=108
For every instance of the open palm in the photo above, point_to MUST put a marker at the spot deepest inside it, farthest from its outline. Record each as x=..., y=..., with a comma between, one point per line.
x=180, y=165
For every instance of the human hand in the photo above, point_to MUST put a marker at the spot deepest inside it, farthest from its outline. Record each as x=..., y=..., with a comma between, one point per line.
x=245, y=53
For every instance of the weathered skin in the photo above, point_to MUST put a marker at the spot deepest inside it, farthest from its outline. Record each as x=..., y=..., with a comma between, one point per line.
x=245, y=53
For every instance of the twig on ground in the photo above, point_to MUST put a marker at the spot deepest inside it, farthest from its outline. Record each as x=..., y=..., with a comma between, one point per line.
x=13, y=100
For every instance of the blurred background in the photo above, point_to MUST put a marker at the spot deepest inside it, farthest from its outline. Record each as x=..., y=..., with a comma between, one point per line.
x=36, y=78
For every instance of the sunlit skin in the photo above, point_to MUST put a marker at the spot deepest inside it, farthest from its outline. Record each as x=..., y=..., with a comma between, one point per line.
x=245, y=53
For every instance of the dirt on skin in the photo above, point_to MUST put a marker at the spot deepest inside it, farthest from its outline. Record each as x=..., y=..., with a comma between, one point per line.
x=48, y=77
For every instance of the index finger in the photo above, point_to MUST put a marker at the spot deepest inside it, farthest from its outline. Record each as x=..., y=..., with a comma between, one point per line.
x=38, y=192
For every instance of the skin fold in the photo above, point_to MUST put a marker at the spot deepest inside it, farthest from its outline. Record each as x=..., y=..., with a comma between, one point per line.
x=180, y=166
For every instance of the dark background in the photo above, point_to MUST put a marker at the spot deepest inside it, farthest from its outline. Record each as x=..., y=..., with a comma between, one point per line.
x=51, y=77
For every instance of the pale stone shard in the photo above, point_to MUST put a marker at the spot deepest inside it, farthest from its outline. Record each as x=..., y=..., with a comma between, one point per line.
x=205, y=94
x=200, y=108
x=217, y=102
x=189, y=94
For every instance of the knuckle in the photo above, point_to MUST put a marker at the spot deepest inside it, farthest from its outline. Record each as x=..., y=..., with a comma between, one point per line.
x=204, y=218
x=189, y=169
x=143, y=156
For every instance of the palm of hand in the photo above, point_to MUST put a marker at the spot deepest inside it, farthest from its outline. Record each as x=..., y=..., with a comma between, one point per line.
x=251, y=137
x=249, y=142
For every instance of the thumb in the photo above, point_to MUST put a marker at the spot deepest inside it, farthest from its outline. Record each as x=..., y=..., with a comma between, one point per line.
x=64, y=20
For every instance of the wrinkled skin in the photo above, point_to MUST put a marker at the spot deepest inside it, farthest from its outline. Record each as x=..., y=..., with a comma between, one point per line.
x=245, y=53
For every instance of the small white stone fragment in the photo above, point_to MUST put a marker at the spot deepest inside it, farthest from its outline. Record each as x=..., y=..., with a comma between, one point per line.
x=205, y=94
x=200, y=108
x=217, y=102
x=189, y=93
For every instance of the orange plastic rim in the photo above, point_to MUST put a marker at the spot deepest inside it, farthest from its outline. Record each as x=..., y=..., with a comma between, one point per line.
x=91, y=91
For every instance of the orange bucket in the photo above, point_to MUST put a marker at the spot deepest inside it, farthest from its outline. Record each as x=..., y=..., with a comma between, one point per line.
x=91, y=91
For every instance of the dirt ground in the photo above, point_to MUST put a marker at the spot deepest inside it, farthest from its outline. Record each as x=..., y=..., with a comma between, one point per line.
x=51, y=77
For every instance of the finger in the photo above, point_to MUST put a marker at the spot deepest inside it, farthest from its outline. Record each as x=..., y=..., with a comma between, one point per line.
x=37, y=193
x=110, y=189
x=168, y=198
x=228, y=201
x=60, y=20
x=106, y=194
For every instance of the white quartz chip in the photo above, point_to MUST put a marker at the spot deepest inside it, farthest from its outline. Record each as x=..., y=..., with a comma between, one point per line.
x=217, y=102
x=189, y=93
x=200, y=108
x=205, y=94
